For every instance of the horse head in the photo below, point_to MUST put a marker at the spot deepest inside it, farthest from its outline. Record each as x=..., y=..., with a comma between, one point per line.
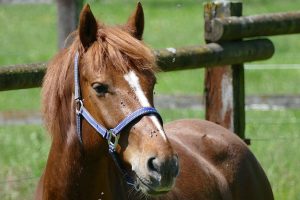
x=117, y=78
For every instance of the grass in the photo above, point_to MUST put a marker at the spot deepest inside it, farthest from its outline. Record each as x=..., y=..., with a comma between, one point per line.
x=23, y=153
x=10, y=100
x=30, y=36
x=275, y=141
x=258, y=82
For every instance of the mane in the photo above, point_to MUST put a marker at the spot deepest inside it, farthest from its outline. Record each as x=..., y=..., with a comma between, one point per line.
x=114, y=47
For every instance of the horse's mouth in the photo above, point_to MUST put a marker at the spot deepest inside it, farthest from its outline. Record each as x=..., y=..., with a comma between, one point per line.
x=146, y=188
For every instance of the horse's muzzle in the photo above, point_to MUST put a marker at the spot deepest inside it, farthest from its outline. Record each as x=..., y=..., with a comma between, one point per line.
x=162, y=175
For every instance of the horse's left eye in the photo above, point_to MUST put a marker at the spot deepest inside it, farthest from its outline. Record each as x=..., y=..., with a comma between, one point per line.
x=101, y=89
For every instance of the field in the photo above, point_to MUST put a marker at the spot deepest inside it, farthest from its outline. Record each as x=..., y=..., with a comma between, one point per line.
x=30, y=36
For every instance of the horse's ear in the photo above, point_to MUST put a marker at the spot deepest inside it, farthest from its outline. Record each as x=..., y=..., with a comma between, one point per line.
x=87, y=27
x=135, y=22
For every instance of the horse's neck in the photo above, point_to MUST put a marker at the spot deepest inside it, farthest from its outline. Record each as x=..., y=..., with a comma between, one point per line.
x=71, y=174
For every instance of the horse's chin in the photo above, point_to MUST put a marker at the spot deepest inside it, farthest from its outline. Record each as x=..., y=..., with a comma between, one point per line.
x=146, y=187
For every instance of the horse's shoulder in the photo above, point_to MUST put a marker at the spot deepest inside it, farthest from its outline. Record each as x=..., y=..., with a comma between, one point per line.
x=214, y=143
x=203, y=132
x=223, y=152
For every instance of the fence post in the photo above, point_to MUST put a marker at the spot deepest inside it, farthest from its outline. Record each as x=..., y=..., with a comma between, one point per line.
x=224, y=85
x=68, y=15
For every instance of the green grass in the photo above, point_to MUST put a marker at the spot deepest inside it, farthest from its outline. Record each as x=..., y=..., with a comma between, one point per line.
x=275, y=142
x=20, y=100
x=257, y=82
x=274, y=134
x=187, y=82
x=28, y=34
x=272, y=82
x=23, y=154
x=171, y=114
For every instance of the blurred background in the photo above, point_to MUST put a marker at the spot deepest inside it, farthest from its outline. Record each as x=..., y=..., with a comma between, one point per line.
x=28, y=34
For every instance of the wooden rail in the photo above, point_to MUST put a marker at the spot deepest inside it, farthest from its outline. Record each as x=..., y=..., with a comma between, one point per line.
x=21, y=76
x=231, y=28
x=213, y=54
x=223, y=59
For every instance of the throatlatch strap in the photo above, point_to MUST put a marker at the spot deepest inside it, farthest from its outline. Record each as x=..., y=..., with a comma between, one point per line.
x=79, y=128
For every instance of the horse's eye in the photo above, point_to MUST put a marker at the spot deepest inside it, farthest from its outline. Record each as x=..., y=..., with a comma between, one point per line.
x=101, y=89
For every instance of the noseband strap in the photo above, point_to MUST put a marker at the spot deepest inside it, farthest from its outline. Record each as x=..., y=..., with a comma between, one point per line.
x=111, y=135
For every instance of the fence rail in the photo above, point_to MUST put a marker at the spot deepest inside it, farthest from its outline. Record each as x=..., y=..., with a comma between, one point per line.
x=22, y=76
x=31, y=75
x=231, y=28
x=223, y=60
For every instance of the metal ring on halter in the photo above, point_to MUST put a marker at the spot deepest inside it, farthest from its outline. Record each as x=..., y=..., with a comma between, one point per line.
x=79, y=105
x=112, y=140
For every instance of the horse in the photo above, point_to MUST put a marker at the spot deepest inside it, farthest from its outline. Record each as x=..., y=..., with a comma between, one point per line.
x=108, y=140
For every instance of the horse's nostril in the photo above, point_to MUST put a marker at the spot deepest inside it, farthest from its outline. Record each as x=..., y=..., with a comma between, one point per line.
x=169, y=167
x=175, y=165
x=152, y=164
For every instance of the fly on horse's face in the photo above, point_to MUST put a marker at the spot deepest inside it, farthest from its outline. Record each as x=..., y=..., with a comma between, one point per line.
x=123, y=85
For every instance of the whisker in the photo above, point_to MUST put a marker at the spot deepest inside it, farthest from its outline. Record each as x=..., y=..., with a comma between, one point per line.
x=130, y=190
x=141, y=195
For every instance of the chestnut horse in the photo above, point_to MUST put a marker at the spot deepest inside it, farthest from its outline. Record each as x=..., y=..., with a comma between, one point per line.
x=103, y=81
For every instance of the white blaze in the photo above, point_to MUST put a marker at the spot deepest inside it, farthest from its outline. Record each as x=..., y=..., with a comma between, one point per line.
x=134, y=83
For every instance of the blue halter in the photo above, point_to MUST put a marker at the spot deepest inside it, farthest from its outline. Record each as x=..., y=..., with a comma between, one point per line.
x=111, y=135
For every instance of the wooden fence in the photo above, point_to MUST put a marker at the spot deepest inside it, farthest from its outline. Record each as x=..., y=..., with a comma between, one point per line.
x=222, y=57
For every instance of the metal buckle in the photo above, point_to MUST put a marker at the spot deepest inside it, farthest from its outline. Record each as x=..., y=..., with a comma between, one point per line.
x=112, y=140
x=78, y=106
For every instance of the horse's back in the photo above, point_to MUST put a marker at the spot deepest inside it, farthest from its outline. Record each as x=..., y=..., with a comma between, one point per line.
x=215, y=164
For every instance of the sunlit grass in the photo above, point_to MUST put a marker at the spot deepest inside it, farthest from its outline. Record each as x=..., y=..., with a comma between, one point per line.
x=30, y=36
x=23, y=153
x=274, y=140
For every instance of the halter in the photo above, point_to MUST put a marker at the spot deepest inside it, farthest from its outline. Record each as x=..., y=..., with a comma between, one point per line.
x=111, y=135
